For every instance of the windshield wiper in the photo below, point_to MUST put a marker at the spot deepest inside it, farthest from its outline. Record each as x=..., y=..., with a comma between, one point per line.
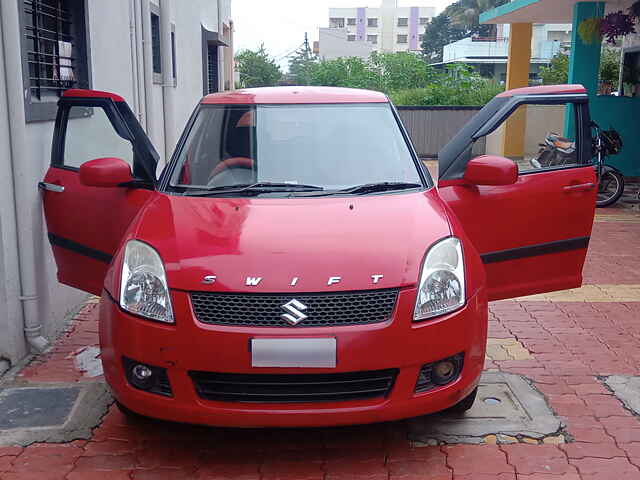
x=379, y=187
x=258, y=187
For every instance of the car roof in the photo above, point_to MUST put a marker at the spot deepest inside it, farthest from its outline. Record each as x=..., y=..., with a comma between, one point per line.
x=295, y=95
x=545, y=90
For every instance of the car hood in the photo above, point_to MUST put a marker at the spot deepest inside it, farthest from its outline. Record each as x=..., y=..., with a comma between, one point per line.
x=293, y=244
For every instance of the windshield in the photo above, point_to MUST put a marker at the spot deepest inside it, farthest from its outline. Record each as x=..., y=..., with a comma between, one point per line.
x=328, y=147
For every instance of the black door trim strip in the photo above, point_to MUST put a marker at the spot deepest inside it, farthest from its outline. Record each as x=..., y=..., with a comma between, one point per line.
x=79, y=248
x=535, y=250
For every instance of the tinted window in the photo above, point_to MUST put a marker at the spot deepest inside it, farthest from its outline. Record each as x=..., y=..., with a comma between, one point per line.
x=332, y=146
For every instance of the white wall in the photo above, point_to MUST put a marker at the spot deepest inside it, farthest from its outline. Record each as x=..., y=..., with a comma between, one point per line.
x=334, y=44
x=111, y=70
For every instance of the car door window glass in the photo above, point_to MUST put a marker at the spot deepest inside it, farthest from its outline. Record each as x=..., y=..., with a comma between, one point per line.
x=91, y=137
x=535, y=137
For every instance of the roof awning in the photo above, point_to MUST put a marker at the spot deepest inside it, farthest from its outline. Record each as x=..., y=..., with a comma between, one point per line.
x=532, y=11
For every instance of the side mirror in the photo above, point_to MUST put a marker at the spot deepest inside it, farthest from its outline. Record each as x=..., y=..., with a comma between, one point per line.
x=105, y=172
x=491, y=170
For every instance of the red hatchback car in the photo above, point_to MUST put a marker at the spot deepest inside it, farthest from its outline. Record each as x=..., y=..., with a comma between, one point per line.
x=294, y=264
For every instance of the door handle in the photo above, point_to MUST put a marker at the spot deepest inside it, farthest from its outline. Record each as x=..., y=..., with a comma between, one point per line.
x=52, y=187
x=580, y=187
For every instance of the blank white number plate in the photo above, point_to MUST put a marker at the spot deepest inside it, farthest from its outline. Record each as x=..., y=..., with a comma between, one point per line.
x=293, y=352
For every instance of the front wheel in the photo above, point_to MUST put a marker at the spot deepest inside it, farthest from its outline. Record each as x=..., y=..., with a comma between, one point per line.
x=464, y=404
x=610, y=188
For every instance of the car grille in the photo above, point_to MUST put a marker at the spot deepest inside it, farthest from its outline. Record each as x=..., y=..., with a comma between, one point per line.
x=323, y=309
x=265, y=388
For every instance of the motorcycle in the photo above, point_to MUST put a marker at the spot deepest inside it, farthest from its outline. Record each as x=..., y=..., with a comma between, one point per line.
x=610, y=180
x=557, y=151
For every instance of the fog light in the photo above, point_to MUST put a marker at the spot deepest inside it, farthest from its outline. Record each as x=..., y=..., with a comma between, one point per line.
x=437, y=374
x=146, y=377
x=443, y=372
x=141, y=372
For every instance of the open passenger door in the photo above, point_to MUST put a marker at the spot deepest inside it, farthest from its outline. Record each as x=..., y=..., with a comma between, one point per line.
x=532, y=235
x=86, y=223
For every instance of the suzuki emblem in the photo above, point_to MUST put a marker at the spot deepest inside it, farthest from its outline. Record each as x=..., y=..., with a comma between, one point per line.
x=294, y=309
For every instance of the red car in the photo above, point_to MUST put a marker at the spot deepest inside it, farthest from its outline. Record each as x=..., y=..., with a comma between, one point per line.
x=294, y=264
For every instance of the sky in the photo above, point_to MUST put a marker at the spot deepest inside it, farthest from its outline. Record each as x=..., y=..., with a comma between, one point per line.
x=281, y=24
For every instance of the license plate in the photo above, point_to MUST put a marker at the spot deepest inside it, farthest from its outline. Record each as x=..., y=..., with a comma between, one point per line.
x=293, y=352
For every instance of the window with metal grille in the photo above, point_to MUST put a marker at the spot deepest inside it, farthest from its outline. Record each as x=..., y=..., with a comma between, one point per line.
x=173, y=52
x=54, y=53
x=155, y=44
x=351, y=38
x=402, y=38
x=212, y=68
x=403, y=21
x=372, y=22
x=351, y=21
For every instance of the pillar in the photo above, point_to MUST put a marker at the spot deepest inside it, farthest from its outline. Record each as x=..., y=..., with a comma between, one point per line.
x=584, y=64
x=517, y=77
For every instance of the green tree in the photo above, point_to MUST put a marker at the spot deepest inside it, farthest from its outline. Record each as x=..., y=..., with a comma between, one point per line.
x=458, y=84
x=257, y=68
x=557, y=72
x=301, y=66
x=467, y=14
x=610, y=66
x=440, y=31
x=397, y=71
x=353, y=72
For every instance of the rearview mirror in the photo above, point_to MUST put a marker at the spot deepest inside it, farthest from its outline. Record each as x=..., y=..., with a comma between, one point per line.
x=491, y=170
x=105, y=172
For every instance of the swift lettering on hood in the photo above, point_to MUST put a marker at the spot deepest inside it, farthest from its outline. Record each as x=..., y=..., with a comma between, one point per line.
x=255, y=281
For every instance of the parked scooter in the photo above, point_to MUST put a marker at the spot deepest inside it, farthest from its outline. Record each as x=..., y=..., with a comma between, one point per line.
x=554, y=152
x=557, y=151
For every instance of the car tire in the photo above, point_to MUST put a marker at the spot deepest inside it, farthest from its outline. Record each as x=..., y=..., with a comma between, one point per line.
x=465, y=404
x=129, y=414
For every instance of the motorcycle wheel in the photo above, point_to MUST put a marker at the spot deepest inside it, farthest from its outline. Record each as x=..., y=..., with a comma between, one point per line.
x=610, y=188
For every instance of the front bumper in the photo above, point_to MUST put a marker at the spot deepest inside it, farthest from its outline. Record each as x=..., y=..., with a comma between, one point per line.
x=192, y=346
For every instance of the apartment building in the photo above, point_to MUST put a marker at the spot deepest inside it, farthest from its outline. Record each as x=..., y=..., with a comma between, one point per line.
x=160, y=55
x=387, y=28
x=489, y=55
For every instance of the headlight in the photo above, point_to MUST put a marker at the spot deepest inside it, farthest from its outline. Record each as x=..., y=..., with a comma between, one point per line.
x=143, y=287
x=441, y=288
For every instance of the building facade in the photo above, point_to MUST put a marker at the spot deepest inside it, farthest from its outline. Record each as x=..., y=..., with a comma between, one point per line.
x=388, y=28
x=489, y=55
x=160, y=55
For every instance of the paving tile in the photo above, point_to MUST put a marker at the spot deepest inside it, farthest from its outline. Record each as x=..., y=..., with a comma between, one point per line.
x=474, y=460
x=100, y=475
x=292, y=470
x=621, y=468
x=164, y=474
x=45, y=458
x=105, y=463
x=529, y=459
x=583, y=449
x=550, y=476
x=485, y=476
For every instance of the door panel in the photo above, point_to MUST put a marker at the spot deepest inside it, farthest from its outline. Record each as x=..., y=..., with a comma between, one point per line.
x=533, y=235
x=86, y=224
